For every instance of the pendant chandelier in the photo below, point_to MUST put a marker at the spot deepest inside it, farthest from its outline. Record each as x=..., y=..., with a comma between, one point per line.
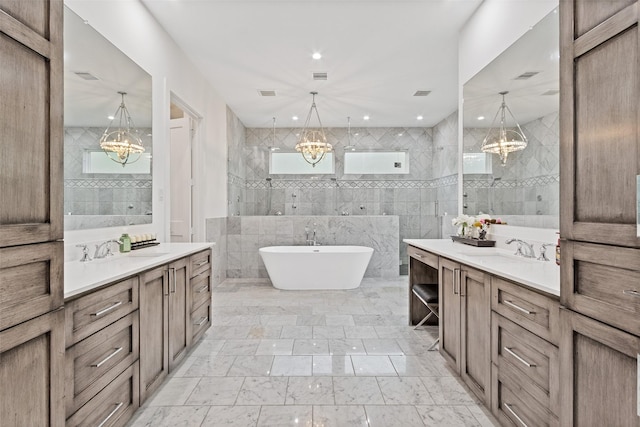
x=500, y=140
x=313, y=143
x=122, y=144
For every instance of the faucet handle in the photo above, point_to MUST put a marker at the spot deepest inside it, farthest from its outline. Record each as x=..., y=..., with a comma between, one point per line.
x=85, y=252
x=543, y=251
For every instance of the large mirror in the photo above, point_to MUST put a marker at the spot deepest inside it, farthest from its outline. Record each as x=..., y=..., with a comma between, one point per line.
x=525, y=190
x=98, y=195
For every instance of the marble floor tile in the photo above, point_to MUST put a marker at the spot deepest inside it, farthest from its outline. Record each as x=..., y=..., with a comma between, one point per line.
x=302, y=332
x=339, y=347
x=485, y=419
x=254, y=366
x=286, y=416
x=415, y=366
x=278, y=319
x=264, y=332
x=310, y=391
x=227, y=332
x=404, y=391
x=174, y=392
x=336, y=366
x=170, y=416
x=281, y=347
x=232, y=416
x=244, y=347
x=263, y=391
x=312, y=320
x=373, y=366
x=447, y=391
x=357, y=391
x=386, y=346
x=361, y=332
x=339, y=416
x=339, y=320
x=289, y=366
x=206, y=348
x=216, y=391
x=310, y=347
x=214, y=366
x=325, y=332
x=447, y=416
x=393, y=415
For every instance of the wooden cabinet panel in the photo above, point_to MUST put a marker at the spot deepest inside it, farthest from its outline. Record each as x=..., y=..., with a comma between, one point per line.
x=154, y=330
x=602, y=282
x=200, y=262
x=114, y=405
x=449, y=306
x=475, y=333
x=200, y=289
x=30, y=281
x=531, y=310
x=599, y=369
x=32, y=372
x=179, y=311
x=95, y=361
x=200, y=320
x=88, y=314
x=31, y=118
x=423, y=268
x=588, y=14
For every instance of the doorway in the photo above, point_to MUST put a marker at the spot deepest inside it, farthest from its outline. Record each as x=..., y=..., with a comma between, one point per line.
x=182, y=130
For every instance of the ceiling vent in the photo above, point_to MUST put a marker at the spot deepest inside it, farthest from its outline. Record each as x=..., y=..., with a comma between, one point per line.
x=422, y=93
x=551, y=92
x=319, y=76
x=267, y=92
x=527, y=75
x=86, y=76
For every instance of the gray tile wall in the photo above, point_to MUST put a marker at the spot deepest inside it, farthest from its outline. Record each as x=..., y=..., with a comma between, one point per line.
x=216, y=231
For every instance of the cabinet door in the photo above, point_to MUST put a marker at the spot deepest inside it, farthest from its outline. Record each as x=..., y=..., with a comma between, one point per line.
x=179, y=311
x=599, y=371
x=32, y=372
x=31, y=121
x=449, y=306
x=475, y=331
x=154, y=329
x=423, y=268
x=600, y=149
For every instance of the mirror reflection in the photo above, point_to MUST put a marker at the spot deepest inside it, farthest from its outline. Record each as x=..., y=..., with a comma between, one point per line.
x=95, y=72
x=525, y=189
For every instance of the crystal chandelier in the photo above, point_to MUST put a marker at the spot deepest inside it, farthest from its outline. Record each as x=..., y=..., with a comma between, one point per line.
x=313, y=143
x=500, y=140
x=120, y=143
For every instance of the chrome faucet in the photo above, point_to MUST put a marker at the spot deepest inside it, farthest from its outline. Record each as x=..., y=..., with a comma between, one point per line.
x=543, y=251
x=528, y=248
x=312, y=241
x=85, y=253
x=103, y=250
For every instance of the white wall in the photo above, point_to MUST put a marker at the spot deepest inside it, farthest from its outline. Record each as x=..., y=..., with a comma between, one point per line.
x=494, y=26
x=133, y=30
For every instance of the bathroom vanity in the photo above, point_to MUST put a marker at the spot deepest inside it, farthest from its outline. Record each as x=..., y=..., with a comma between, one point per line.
x=498, y=327
x=129, y=321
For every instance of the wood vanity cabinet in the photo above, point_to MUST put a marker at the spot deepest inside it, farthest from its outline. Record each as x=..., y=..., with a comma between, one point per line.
x=200, y=284
x=465, y=309
x=423, y=268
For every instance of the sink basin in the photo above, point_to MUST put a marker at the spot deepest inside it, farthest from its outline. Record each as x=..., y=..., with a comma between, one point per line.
x=143, y=253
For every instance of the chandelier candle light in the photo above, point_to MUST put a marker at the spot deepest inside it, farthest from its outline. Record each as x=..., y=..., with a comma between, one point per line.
x=500, y=140
x=119, y=144
x=313, y=143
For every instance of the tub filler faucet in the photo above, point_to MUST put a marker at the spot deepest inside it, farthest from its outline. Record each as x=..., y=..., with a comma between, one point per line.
x=311, y=241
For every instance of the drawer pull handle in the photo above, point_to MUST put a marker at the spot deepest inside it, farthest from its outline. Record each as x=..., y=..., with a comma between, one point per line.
x=201, y=321
x=103, y=361
x=418, y=256
x=201, y=263
x=517, y=307
x=111, y=414
x=202, y=289
x=632, y=293
x=508, y=408
x=520, y=359
x=106, y=310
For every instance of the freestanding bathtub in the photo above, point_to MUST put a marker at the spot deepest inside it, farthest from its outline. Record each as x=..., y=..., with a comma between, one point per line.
x=316, y=267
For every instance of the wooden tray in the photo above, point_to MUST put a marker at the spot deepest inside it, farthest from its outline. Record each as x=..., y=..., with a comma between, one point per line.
x=474, y=242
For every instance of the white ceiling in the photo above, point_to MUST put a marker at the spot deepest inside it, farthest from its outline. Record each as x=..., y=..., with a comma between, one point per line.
x=376, y=54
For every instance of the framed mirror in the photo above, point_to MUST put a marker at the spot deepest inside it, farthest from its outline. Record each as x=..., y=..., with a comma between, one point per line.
x=525, y=190
x=95, y=72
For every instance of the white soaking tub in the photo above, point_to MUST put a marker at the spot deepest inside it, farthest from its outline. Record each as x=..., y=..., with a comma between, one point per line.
x=316, y=267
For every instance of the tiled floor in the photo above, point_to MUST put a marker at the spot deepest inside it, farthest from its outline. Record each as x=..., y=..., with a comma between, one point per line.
x=312, y=358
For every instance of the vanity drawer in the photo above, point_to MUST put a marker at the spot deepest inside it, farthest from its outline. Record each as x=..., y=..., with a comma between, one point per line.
x=532, y=361
x=533, y=311
x=602, y=282
x=200, y=262
x=114, y=405
x=423, y=256
x=95, y=361
x=200, y=320
x=200, y=290
x=512, y=405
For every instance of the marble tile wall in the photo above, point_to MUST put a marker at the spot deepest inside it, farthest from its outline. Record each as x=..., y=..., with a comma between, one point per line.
x=216, y=231
x=246, y=234
x=236, y=164
x=100, y=194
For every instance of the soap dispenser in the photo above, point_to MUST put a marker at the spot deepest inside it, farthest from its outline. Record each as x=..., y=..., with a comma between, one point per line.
x=125, y=243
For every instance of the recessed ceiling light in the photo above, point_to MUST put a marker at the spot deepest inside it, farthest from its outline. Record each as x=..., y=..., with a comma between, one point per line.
x=110, y=117
x=356, y=134
x=316, y=55
x=419, y=117
x=294, y=118
x=400, y=134
x=480, y=117
x=365, y=118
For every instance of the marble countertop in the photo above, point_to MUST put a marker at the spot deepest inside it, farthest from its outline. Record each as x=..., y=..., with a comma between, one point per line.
x=80, y=277
x=543, y=276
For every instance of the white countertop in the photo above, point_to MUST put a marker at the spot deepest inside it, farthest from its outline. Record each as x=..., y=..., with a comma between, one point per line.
x=80, y=277
x=541, y=275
